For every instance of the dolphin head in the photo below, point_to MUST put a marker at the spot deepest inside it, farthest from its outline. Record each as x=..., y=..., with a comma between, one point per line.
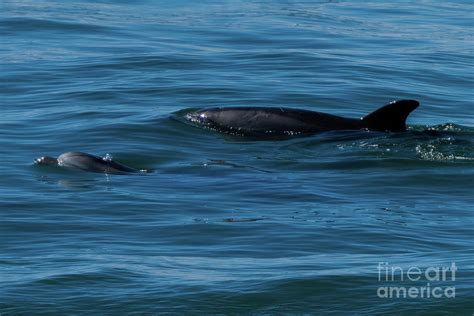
x=46, y=160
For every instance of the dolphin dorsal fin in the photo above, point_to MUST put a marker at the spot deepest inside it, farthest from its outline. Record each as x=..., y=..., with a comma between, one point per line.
x=391, y=117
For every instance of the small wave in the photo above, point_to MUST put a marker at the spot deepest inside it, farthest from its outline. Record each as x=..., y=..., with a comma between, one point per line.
x=433, y=153
x=445, y=149
x=242, y=219
x=450, y=127
x=14, y=25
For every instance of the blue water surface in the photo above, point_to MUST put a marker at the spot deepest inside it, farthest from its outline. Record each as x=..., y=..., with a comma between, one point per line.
x=221, y=224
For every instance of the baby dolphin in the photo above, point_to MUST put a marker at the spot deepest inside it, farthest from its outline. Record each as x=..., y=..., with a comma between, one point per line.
x=86, y=162
x=275, y=121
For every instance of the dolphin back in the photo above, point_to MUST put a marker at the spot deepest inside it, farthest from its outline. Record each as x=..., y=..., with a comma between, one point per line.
x=391, y=117
x=87, y=162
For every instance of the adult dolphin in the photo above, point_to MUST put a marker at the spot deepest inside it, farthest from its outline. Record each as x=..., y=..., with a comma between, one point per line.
x=276, y=121
x=86, y=162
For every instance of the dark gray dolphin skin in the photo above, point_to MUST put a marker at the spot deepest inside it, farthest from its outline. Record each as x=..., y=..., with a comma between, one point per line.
x=273, y=121
x=86, y=162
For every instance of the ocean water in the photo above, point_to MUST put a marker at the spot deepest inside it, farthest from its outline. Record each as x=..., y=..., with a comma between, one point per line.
x=226, y=225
